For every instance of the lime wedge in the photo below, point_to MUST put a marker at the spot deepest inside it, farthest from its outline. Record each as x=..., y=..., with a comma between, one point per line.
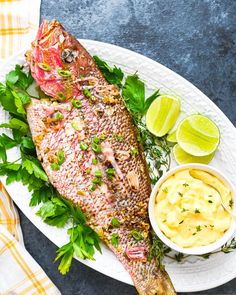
x=181, y=157
x=171, y=137
x=197, y=135
x=162, y=114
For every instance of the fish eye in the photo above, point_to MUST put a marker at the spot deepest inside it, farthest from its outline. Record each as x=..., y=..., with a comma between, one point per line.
x=68, y=55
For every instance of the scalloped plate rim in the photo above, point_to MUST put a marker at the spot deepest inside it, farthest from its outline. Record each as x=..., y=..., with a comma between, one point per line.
x=41, y=226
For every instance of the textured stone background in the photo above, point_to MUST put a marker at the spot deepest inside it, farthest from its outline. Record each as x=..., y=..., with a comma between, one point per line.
x=193, y=38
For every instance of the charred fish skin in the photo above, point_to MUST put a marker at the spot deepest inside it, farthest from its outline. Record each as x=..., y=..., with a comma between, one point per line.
x=104, y=168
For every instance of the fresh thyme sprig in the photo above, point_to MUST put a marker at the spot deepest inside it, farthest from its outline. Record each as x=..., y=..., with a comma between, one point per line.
x=158, y=250
x=229, y=247
x=157, y=152
x=226, y=248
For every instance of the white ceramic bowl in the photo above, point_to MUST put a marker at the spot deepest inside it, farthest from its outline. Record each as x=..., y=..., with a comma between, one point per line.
x=194, y=250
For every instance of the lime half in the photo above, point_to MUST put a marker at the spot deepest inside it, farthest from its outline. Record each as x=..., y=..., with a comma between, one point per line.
x=181, y=157
x=172, y=137
x=197, y=135
x=162, y=114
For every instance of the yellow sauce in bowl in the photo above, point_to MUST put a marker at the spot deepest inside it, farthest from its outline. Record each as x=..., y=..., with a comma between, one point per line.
x=188, y=208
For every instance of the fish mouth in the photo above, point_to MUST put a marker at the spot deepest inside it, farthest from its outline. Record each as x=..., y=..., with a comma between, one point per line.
x=48, y=33
x=47, y=36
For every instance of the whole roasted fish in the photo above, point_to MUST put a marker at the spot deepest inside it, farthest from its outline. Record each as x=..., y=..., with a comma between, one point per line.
x=104, y=168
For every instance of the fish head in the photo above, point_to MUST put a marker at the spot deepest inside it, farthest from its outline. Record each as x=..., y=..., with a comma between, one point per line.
x=55, y=60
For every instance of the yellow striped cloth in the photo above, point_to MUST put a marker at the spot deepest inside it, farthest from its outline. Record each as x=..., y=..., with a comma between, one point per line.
x=19, y=272
x=19, y=21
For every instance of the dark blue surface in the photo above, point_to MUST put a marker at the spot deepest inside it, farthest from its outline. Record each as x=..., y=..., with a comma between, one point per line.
x=193, y=38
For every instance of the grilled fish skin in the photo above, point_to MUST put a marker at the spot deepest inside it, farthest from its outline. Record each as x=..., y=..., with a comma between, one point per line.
x=104, y=168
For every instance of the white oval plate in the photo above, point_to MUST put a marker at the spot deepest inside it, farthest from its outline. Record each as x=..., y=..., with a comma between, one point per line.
x=193, y=274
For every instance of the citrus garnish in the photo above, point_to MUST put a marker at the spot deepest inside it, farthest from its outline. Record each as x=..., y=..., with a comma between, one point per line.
x=171, y=137
x=198, y=135
x=162, y=114
x=181, y=157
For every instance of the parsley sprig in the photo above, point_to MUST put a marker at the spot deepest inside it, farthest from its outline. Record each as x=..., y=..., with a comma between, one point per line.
x=133, y=92
x=113, y=75
x=55, y=210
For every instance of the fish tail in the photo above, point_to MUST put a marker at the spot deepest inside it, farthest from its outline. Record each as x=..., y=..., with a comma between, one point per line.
x=158, y=286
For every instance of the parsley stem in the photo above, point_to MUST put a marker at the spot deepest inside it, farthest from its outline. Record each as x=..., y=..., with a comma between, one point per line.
x=31, y=96
x=6, y=164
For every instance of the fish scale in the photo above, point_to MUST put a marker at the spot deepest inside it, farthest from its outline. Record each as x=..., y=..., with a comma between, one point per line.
x=125, y=195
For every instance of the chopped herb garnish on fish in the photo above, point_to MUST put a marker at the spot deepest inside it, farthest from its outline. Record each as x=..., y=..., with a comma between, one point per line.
x=180, y=194
x=96, y=140
x=231, y=202
x=115, y=239
x=97, y=181
x=98, y=173
x=61, y=96
x=197, y=210
x=136, y=234
x=75, y=125
x=96, y=147
x=83, y=146
x=185, y=184
x=115, y=222
x=76, y=103
x=110, y=172
x=210, y=201
x=93, y=187
x=102, y=136
x=119, y=138
x=60, y=157
x=181, y=221
x=44, y=66
x=134, y=151
x=94, y=161
x=55, y=166
x=87, y=92
x=64, y=73
x=59, y=116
